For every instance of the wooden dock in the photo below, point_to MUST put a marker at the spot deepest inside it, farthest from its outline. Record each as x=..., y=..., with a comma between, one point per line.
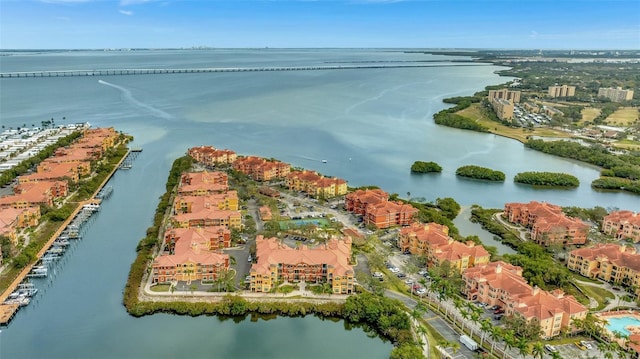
x=7, y=311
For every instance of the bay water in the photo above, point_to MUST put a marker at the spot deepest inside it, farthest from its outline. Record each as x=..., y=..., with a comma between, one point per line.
x=369, y=125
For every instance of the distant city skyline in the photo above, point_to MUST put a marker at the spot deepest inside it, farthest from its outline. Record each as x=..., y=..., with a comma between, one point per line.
x=497, y=24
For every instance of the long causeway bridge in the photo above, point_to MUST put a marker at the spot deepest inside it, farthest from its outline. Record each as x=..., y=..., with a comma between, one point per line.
x=159, y=71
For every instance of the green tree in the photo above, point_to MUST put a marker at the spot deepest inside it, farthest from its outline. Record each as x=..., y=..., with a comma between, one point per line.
x=537, y=350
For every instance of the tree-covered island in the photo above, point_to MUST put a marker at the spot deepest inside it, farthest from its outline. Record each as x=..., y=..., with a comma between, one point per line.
x=481, y=173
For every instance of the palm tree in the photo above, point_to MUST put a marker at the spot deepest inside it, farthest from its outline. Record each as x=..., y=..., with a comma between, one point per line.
x=537, y=350
x=523, y=346
x=485, y=326
x=509, y=341
x=496, y=334
x=556, y=355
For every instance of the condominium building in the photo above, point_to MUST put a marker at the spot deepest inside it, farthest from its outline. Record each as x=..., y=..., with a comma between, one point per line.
x=211, y=156
x=377, y=210
x=615, y=94
x=389, y=213
x=277, y=262
x=316, y=185
x=203, y=183
x=562, y=91
x=357, y=201
x=502, y=284
x=13, y=219
x=547, y=223
x=505, y=94
x=204, y=211
x=260, y=169
x=194, y=255
x=433, y=242
x=610, y=262
x=622, y=225
x=502, y=108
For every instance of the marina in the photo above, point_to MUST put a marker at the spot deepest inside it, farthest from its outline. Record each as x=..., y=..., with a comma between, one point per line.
x=21, y=291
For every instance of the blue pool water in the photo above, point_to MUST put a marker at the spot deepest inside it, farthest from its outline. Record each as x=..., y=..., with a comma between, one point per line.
x=619, y=324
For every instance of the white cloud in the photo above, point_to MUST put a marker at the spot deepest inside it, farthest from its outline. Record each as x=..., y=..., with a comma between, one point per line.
x=126, y=12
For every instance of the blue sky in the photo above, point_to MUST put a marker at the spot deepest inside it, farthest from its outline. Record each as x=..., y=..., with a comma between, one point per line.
x=539, y=24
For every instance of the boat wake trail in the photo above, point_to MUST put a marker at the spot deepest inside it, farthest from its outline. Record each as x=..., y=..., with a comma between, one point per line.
x=128, y=97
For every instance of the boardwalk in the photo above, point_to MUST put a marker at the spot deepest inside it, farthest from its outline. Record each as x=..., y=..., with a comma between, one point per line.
x=124, y=72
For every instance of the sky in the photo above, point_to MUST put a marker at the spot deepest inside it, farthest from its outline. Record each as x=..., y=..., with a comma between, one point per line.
x=496, y=24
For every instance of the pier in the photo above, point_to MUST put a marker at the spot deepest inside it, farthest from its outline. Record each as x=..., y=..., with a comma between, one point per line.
x=127, y=163
x=160, y=71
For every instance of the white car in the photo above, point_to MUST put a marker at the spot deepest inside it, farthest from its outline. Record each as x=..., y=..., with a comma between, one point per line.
x=421, y=291
x=394, y=270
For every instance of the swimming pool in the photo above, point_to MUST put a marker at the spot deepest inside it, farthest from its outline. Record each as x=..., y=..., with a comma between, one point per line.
x=619, y=324
x=320, y=222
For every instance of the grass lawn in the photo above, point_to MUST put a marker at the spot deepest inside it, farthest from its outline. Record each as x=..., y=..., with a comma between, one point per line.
x=623, y=116
x=627, y=144
x=588, y=114
x=597, y=293
x=516, y=133
x=161, y=288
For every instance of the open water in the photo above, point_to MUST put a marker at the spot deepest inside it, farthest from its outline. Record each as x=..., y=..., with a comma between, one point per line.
x=369, y=125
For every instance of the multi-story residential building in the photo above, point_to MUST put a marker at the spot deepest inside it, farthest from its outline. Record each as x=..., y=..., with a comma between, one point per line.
x=505, y=94
x=357, y=202
x=377, y=210
x=211, y=156
x=195, y=256
x=224, y=201
x=622, y=225
x=203, y=183
x=277, y=262
x=616, y=94
x=316, y=185
x=418, y=237
x=48, y=171
x=389, y=213
x=502, y=108
x=260, y=169
x=547, y=223
x=562, y=91
x=432, y=241
x=214, y=238
x=100, y=139
x=57, y=189
x=502, y=284
x=610, y=262
x=31, y=198
x=12, y=219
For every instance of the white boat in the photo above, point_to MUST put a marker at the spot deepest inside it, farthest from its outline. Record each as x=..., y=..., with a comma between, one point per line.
x=324, y=161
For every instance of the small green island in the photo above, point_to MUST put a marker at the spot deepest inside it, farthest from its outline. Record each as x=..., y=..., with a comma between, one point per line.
x=547, y=179
x=481, y=173
x=425, y=167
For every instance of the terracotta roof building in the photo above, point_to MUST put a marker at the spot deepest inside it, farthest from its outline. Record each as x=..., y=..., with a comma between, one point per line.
x=323, y=264
x=203, y=183
x=502, y=284
x=547, y=223
x=12, y=219
x=388, y=213
x=211, y=156
x=357, y=201
x=622, y=225
x=316, y=185
x=610, y=262
x=260, y=169
x=432, y=241
x=194, y=255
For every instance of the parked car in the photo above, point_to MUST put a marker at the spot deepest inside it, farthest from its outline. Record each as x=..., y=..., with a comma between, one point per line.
x=400, y=275
x=579, y=345
x=550, y=348
x=498, y=311
x=494, y=307
x=421, y=291
x=498, y=316
x=586, y=344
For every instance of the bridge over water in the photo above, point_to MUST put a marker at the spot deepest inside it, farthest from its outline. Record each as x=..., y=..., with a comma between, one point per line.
x=160, y=71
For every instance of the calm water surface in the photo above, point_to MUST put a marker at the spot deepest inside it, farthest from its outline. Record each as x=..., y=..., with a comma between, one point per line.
x=370, y=125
